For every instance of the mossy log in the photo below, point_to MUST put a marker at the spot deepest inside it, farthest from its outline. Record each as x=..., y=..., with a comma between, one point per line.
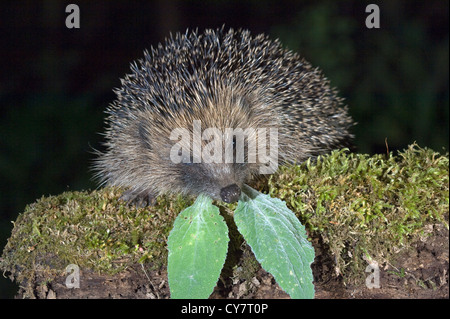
x=357, y=209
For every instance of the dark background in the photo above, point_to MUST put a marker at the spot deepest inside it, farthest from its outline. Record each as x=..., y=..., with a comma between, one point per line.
x=55, y=83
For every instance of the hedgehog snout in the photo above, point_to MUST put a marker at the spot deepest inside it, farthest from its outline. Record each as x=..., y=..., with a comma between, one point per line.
x=230, y=193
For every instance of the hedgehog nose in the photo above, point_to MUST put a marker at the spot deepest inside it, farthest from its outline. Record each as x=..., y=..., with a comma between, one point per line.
x=230, y=193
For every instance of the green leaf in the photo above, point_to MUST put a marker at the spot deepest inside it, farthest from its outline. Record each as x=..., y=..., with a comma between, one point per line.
x=278, y=240
x=197, y=246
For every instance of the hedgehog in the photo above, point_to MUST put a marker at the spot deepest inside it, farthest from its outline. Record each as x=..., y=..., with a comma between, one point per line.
x=187, y=118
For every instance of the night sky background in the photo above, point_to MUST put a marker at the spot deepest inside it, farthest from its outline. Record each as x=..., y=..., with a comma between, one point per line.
x=55, y=82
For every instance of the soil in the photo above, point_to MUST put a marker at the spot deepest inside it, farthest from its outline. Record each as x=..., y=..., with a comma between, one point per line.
x=420, y=272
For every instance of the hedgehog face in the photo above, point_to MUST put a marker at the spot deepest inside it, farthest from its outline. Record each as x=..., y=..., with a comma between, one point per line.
x=220, y=181
x=210, y=167
x=213, y=147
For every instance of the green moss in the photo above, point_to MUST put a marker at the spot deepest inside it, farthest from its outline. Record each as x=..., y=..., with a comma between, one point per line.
x=367, y=207
x=363, y=207
x=90, y=229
